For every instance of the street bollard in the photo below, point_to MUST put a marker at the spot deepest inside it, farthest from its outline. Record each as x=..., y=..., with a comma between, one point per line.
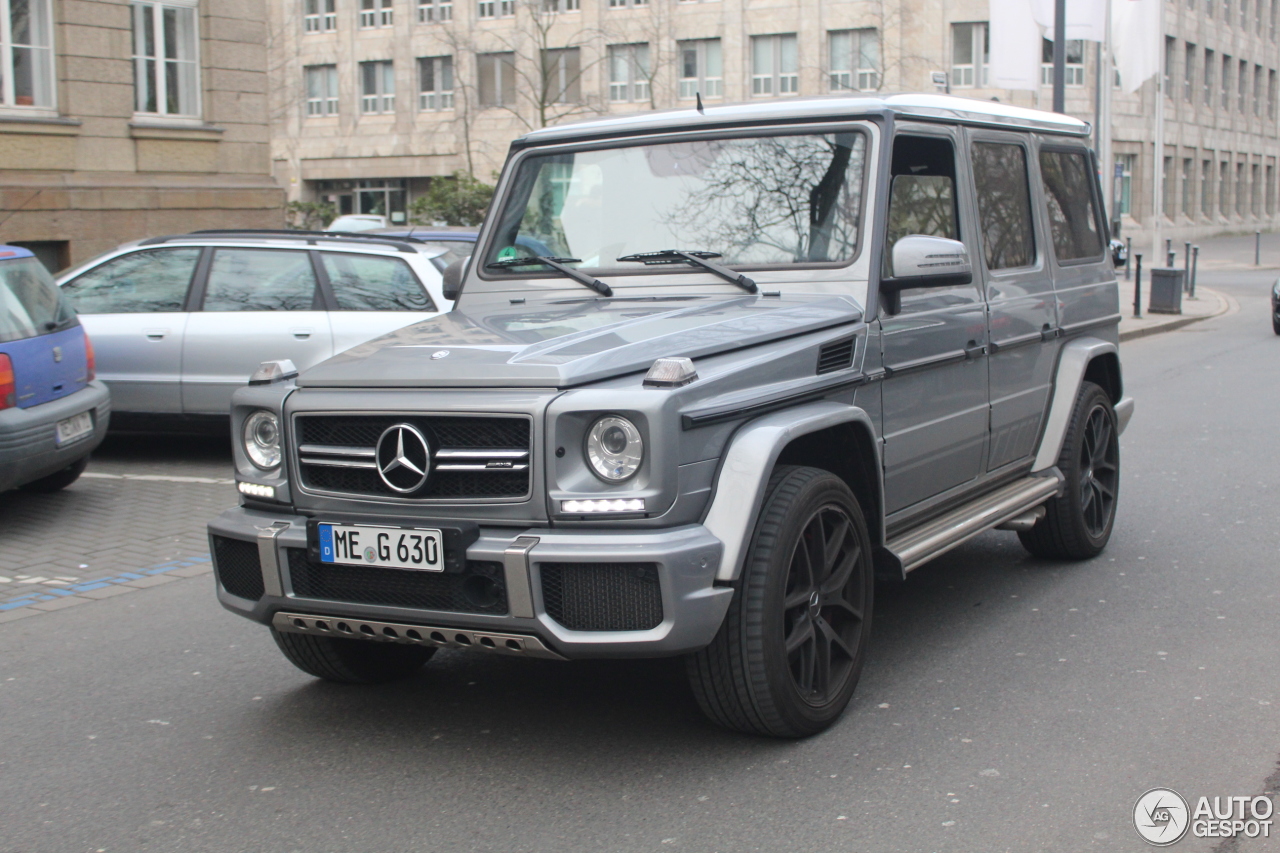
x=1128, y=255
x=1168, y=245
x=1257, y=248
x=1171, y=259
x=1195, y=259
x=1137, y=287
x=1186, y=266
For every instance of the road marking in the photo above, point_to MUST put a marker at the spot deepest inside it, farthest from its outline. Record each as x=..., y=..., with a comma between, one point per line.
x=162, y=478
x=185, y=567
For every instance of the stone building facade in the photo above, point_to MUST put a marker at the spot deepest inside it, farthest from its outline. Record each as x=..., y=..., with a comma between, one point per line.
x=121, y=120
x=374, y=98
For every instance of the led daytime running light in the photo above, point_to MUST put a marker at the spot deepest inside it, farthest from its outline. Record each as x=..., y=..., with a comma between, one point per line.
x=584, y=507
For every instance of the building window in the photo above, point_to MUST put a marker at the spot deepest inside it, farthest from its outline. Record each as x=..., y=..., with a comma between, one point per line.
x=1271, y=94
x=1210, y=61
x=1170, y=55
x=1188, y=188
x=1224, y=188
x=623, y=4
x=1242, y=197
x=319, y=16
x=435, y=83
x=435, y=11
x=1206, y=188
x=496, y=79
x=377, y=87
x=1257, y=90
x=322, y=90
x=701, y=70
x=497, y=8
x=1271, y=190
x=1255, y=194
x=1226, y=82
x=970, y=53
x=561, y=5
x=1242, y=86
x=1244, y=13
x=26, y=54
x=165, y=68
x=629, y=72
x=1125, y=166
x=562, y=75
x=1188, y=72
x=1072, y=73
x=775, y=68
x=854, y=60
x=375, y=13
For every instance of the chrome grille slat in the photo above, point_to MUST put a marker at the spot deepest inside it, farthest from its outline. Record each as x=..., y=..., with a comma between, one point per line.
x=337, y=450
x=340, y=463
x=457, y=466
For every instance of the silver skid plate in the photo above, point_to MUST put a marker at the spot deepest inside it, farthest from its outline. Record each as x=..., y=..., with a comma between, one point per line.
x=522, y=645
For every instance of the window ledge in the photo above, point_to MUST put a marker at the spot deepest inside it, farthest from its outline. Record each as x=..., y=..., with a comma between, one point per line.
x=142, y=129
x=46, y=125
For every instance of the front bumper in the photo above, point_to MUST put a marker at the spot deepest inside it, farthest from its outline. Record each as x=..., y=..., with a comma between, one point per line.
x=686, y=560
x=28, y=446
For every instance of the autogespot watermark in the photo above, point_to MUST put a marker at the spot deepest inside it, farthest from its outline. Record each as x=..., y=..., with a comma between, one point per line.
x=1163, y=817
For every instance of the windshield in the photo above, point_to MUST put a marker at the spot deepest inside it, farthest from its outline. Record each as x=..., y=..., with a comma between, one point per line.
x=30, y=303
x=755, y=201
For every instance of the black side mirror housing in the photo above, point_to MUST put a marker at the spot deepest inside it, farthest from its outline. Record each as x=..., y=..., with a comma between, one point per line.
x=451, y=278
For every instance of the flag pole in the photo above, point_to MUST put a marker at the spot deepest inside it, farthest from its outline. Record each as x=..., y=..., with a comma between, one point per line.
x=1106, y=83
x=1157, y=164
x=1059, y=56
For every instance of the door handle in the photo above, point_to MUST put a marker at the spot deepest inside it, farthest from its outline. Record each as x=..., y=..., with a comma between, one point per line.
x=155, y=334
x=301, y=334
x=974, y=349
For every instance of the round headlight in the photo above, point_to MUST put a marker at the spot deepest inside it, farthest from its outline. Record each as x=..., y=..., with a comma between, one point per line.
x=262, y=439
x=614, y=448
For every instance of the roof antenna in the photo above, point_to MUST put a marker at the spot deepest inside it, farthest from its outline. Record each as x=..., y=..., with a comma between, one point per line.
x=701, y=111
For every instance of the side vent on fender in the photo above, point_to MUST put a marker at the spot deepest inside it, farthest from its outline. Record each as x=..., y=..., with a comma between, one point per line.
x=836, y=355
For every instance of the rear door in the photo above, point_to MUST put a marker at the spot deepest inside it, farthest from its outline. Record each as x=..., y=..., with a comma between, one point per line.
x=371, y=295
x=134, y=309
x=256, y=305
x=1019, y=290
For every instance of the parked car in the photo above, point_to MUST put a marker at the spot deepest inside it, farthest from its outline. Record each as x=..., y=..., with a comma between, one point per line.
x=53, y=412
x=180, y=322
x=358, y=222
x=457, y=243
x=806, y=342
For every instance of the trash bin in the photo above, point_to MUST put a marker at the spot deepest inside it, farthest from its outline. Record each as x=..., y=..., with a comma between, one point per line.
x=1166, y=290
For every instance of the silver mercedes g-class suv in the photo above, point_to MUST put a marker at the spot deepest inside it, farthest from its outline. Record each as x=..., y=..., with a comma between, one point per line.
x=781, y=349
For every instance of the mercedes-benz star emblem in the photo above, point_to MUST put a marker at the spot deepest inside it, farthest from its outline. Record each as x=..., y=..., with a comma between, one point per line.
x=440, y=353
x=403, y=458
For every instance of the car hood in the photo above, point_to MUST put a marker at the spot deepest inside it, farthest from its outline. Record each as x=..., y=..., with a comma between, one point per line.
x=562, y=344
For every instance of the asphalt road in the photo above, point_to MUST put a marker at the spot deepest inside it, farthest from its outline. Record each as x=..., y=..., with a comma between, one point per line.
x=1007, y=704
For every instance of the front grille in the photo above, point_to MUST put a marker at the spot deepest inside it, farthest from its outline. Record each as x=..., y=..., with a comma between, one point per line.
x=238, y=567
x=479, y=588
x=472, y=458
x=602, y=596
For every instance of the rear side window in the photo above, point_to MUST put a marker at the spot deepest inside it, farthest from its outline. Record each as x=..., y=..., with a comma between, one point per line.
x=373, y=283
x=1004, y=204
x=1073, y=220
x=136, y=283
x=260, y=280
x=30, y=304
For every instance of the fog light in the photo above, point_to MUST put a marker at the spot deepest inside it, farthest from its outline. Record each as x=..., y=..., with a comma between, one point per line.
x=602, y=505
x=256, y=490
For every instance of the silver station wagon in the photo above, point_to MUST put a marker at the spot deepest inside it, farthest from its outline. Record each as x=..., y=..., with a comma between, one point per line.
x=180, y=322
x=776, y=350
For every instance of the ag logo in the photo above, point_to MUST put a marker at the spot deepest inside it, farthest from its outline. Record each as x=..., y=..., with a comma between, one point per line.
x=1161, y=817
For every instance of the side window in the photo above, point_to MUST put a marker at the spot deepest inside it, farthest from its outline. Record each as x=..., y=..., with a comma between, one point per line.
x=1004, y=204
x=1073, y=220
x=372, y=283
x=260, y=280
x=136, y=283
x=922, y=196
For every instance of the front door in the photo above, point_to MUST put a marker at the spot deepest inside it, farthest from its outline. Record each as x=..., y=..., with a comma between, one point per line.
x=935, y=388
x=1019, y=286
x=258, y=305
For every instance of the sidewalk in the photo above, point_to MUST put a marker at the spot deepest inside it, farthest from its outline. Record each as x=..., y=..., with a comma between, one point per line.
x=1207, y=303
x=1230, y=252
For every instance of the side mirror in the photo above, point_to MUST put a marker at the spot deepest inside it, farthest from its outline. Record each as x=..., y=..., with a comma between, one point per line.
x=923, y=261
x=451, y=278
x=1119, y=253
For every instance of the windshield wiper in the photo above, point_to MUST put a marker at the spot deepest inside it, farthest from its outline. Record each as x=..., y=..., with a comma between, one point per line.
x=557, y=264
x=695, y=258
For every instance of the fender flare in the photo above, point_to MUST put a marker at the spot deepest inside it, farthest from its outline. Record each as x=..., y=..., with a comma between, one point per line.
x=1072, y=364
x=749, y=461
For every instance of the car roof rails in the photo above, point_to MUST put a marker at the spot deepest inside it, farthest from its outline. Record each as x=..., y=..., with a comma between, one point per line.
x=312, y=237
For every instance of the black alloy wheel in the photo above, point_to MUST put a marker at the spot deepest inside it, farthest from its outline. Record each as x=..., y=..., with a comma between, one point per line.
x=1099, y=471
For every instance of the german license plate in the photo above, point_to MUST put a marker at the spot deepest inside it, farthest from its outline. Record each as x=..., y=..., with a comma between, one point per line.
x=392, y=547
x=73, y=428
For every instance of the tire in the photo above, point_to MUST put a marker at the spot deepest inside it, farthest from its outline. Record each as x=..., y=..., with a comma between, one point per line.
x=1275, y=324
x=351, y=661
x=746, y=680
x=58, y=480
x=1077, y=525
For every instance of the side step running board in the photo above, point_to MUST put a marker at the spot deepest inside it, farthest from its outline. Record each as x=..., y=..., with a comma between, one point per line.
x=918, y=546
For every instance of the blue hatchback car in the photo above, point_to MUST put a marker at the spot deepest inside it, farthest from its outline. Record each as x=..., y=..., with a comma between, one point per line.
x=53, y=412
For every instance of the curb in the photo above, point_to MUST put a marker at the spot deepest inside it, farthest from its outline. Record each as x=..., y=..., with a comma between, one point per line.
x=1223, y=307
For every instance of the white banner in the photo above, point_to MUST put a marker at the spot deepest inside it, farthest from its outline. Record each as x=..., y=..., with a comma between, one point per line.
x=1086, y=19
x=1015, y=45
x=1136, y=41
